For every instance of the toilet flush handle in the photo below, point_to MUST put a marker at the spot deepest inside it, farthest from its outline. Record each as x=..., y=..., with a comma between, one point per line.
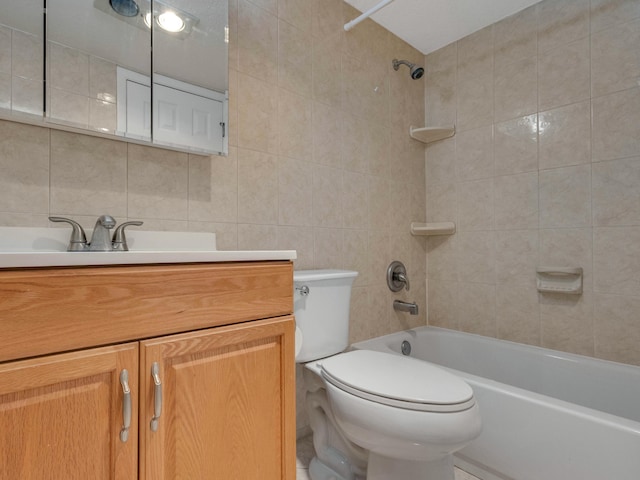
x=304, y=290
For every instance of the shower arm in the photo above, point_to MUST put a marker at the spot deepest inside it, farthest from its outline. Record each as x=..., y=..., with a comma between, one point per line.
x=349, y=25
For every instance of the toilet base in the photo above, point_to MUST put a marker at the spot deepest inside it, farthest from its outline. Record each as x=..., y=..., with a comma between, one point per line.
x=384, y=468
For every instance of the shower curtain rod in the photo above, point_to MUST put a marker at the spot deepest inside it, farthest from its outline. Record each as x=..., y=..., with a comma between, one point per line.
x=349, y=25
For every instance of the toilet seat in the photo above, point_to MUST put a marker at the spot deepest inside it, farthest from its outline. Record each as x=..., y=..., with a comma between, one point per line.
x=397, y=381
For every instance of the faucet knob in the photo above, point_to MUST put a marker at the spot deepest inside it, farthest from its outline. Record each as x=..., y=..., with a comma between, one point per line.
x=397, y=278
x=120, y=239
x=78, y=240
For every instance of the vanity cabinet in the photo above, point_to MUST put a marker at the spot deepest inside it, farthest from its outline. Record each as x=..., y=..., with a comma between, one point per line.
x=209, y=354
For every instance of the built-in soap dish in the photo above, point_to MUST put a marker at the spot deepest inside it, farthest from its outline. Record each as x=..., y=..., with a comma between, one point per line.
x=559, y=280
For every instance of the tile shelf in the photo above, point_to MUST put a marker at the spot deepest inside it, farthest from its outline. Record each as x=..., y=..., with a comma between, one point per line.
x=433, y=228
x=431, y=134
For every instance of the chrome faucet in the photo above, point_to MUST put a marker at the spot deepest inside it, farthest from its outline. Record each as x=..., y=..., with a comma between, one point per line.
x=401, y=306
x=101, y=240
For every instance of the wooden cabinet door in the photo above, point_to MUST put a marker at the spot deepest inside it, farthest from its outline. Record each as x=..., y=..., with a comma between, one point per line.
x=228, y=404
x=61, y=416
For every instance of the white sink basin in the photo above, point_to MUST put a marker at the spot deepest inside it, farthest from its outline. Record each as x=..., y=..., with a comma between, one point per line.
x=43, y=247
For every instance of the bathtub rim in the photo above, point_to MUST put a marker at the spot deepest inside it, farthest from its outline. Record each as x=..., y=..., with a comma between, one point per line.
x=592, y=414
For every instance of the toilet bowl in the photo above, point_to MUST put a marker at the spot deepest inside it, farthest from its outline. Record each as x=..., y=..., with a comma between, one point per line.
x=374, y=415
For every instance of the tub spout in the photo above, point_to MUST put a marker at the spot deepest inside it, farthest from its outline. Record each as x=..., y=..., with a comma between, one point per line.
x=401, y=306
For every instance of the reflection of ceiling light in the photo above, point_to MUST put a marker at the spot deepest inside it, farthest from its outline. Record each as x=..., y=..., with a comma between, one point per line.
x=126, y=8
x=170, y=22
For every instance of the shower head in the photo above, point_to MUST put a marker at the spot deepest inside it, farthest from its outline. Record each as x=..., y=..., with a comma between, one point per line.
x=415, y=71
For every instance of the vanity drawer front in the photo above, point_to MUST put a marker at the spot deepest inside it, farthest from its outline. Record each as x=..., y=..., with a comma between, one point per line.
x=52, y=310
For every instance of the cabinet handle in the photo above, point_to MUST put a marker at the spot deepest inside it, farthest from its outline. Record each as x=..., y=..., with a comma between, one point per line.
x=126, y=405
x=157, y=402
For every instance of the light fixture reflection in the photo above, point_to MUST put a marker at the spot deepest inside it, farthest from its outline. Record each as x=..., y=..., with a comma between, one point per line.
x=170, y=22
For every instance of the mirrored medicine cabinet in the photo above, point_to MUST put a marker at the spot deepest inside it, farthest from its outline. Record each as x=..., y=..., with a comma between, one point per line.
x=148, y=71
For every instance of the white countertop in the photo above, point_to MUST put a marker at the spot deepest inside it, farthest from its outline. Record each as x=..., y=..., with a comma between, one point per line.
x=62, y=259
x=46, y=247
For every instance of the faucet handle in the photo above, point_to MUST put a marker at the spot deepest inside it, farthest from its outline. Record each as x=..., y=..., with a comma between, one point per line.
x=120, y=239
x=78, y=241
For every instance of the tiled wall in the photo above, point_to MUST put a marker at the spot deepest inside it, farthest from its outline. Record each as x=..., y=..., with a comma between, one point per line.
x=544, y=170
x=320, y=158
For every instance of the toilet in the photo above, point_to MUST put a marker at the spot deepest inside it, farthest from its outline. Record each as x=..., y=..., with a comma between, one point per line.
x=374, y=415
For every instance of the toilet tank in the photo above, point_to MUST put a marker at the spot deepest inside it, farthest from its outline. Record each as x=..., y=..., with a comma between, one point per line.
x=322, y=315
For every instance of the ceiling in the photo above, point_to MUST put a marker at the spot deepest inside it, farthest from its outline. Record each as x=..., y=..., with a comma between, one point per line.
x=428, y=25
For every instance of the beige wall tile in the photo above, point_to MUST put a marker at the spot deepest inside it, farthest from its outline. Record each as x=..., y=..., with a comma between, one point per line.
x=355, y=200
x=474, y=88
x=474, y=154
x=157, y=183
x=564, y=74
x=379, y=210
x=616, y=260
x=516, y=201
x=296, y=12
x=516, y=145
x=295, y=191
x=102, y=80
x=516, y=37
x=442, y=203
x=517, y=256
x=441, y=161
x=518, y=313
x=328, y=247
x=615, y=62
x=567, y=322
x=561, y=22
x=257, y=115
x=380, y=256
x=442, y=258
x=327, y=132
x=295, y=127
x=616, y=192
x=327, y=70
x=89, y=176
x=326, y=17
x=299, y=239
x=354, y=139
x=369, y=40
x=257, y=42
x=213, y=188
x=226, y=233
x=294, y=59
x=617, y=328
x=565, y=197
x=103, y=116
x=606, y=13
x=568, y=247
x=378, y=140
x=24, y=162
x=477, y=257
x=515, y=89
x=477, y=308
x=440, y=86
x=565, y=136
x=443, y=304
x=327, y=197
x=616, y=125
x=356, y=255
x=257, y=237
x=475, y=205
x=257, y=187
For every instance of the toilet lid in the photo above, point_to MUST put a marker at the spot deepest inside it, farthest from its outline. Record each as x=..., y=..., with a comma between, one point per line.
x=398, y=381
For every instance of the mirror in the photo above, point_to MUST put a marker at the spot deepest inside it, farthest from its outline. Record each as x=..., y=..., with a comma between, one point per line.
x=98, y=68
x=87, y=43
x=190, y=73
x=21, y=59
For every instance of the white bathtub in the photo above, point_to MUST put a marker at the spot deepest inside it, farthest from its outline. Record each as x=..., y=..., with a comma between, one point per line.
x=547, y=415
